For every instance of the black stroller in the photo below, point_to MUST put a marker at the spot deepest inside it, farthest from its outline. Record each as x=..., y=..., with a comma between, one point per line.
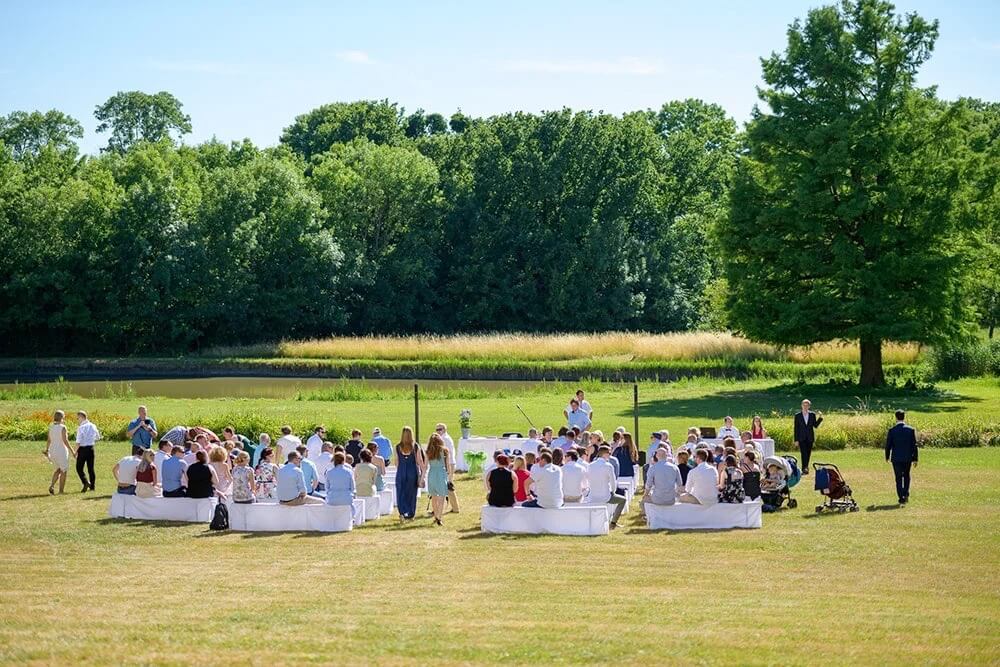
x=836, y=492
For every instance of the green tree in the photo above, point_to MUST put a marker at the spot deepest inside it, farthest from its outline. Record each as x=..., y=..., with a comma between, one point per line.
x=134, y=116
x=984, y=209
x=26, y=134
x=315, y=132
x=845, y=218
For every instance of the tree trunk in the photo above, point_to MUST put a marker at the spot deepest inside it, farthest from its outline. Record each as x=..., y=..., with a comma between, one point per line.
x=871, y=364
x=992, y=326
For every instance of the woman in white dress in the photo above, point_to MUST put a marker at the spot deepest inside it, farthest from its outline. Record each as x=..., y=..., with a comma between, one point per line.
x=57, y=451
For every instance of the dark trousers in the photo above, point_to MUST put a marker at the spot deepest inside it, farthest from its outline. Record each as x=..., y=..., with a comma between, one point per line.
x=902, y=473
x=85, y=455
x=805, y=451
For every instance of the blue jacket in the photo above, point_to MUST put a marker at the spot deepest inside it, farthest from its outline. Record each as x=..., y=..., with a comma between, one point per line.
x=901, y=444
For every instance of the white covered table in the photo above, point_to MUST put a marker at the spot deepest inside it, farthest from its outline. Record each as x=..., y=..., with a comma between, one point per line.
x=193, y=510
x=487, y=445
x=274, y=517
x=567, y=520
x=685, y=516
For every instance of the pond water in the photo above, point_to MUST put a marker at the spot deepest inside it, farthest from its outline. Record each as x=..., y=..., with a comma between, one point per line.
x=252, y=387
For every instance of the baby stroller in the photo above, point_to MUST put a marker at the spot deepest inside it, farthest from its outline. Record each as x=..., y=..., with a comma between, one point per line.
x=835, y=490
x=789, y=465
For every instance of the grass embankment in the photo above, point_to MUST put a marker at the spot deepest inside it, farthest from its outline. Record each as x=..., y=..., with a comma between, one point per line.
x=606, y=356
x=960, y=413
x=881, y=586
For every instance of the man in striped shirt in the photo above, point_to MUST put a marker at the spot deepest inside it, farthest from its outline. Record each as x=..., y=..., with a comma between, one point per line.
x=86, y=436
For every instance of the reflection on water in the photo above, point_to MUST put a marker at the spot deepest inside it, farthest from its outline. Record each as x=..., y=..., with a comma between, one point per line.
x=253, y=387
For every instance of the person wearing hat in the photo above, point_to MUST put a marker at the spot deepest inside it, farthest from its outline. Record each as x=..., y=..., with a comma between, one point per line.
x=384, y=446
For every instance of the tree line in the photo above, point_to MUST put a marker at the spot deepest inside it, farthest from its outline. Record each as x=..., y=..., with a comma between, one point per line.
x=854, y=204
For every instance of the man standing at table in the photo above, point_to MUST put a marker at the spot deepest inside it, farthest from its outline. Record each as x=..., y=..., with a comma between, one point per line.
x=901, y=451
x=806, y=423
x=142, y=430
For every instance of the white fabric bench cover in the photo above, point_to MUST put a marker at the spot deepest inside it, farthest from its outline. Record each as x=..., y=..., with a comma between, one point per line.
x=359, y=512
x=567, y=520
x=193, y=510
x=371, y=507
x=387, y=500
x=273, y=517
x=685, y=516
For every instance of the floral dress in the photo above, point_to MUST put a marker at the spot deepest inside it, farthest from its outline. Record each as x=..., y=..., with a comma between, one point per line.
x=267, y=481
x=733, y=491
x=241, y=484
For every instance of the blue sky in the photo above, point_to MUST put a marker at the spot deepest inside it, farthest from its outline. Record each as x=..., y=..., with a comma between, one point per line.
x=246, y=69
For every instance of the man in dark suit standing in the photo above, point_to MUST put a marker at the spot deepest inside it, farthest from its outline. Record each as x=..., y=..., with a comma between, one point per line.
x=901, y=450
x=806, y=423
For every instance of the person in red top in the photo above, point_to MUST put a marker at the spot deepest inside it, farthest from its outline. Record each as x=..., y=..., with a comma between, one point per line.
x=757, y=431
x=523, y=479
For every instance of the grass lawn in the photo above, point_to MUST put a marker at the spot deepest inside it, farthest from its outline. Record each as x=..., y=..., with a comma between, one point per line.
x=884, y=585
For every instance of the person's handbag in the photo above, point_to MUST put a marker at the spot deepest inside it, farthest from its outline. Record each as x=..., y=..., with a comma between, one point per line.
x=220, y=520
x=452, y=497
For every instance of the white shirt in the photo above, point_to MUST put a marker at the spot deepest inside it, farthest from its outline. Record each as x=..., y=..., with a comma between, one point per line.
x=158, y=458
x=127, y=468
x=584, y=405
x=530, y=445
x=574, y=479
x=547, y=485
x=87, y=434
x=314, y=447
x=190, y=458
x=729, y=432
x=703, y=483
x=323, y=463
x=287, y=443
x=450, y=444
x=602, y=481
x=580, y=419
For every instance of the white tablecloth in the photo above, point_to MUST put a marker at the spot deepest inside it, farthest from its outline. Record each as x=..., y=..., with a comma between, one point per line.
x=765, y=445
x=685, y=516
x=567, y=520
x=487, y=445
x=194, y=510
x=272, y=517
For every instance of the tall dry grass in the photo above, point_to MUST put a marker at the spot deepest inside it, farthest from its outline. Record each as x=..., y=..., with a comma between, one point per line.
x=565, y=347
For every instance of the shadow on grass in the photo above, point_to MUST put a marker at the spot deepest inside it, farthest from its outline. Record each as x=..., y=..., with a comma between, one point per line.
x=106, y=496
x=785, y=398
x=882, y=508
x=116, y=521
x=515, y=537
x=825, y=513
x=26, y=496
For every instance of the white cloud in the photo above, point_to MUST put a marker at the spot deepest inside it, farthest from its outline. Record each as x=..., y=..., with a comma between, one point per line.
x=625, y=65
x=355, y=57
x=197, y=66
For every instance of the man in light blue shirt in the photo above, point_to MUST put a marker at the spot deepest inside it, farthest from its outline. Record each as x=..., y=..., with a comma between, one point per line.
x=172, y=474
x=663, y=483
x=340, y=486
x=384, y=446
x=309, y=472
x=291, y=487
x=577, y=417
x=142, y=430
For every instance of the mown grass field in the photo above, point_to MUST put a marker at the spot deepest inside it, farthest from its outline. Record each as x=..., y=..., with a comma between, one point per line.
x=886, y=585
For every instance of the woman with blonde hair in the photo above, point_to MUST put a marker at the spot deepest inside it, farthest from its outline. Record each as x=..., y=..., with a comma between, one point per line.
x=147, y=481
x=244, y=484
x=218, y=459
x=410, y=470
x=58, y=451
x=440, y=475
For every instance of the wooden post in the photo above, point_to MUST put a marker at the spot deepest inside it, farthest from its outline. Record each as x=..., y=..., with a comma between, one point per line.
x=416, y=412
x=635, y=412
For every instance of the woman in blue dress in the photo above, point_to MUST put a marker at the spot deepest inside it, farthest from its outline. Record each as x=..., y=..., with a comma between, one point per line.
x=440, y=473
x=410, y=469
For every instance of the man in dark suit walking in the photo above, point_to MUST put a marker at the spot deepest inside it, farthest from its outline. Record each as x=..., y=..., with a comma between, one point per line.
x=901, y=450
x=806, y=423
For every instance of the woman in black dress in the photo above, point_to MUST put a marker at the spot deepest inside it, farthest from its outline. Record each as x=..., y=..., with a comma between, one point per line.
x=501, y=483
x=201, y=478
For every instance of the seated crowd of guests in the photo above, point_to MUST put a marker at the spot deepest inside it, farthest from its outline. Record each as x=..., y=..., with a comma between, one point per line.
x=581, y=467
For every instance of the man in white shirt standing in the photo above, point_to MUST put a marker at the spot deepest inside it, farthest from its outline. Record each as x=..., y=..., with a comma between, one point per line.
x=728, y=430
x=702, y=487
x=86, y=436
x=546, y=483
x=574, y=480
x=314, y=445
x=603, y=482
x=287, y=444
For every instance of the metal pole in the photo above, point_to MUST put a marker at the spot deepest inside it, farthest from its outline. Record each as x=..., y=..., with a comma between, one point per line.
x=416, y=411
x=635, y=410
